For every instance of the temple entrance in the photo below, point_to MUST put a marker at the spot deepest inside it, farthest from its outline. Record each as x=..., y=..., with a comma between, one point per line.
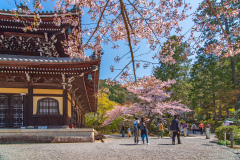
x=11, y=111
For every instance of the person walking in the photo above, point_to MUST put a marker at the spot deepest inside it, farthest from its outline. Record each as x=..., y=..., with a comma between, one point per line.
x=175, y=127
x=201, y=126
x=129, y=132
x=161, y=130
x=123, y=132
x=208, y=130
x=194, y=128
x=144, y=130
x=135, y=130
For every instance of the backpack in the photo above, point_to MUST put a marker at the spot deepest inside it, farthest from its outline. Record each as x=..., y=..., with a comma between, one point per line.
x=135, y=125
x=142, y=127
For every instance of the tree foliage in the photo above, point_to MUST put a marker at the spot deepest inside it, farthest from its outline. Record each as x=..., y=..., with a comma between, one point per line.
x=178, y=71
x=154, y=101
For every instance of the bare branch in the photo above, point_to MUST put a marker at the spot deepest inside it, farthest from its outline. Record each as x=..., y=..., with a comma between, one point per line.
x=97, y=23
x=219, y=22
x=129, y=38
x=122, y=70
x=144, y=19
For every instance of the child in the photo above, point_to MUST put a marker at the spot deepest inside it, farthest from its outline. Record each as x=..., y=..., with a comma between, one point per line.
x=129, y=132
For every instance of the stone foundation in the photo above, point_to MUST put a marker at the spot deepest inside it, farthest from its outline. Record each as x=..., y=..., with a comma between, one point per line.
x=8, y=136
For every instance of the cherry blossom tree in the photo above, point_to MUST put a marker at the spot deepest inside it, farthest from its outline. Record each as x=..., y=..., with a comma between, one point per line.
x=218, y=23
x=155, y=100
x=113, y=21
x=221, y=19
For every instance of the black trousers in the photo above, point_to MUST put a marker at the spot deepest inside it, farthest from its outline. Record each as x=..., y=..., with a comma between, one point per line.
x=178, y=136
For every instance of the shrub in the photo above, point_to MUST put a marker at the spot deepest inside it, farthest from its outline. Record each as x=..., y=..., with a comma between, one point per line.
x=216, y=125
x=221, y=142
x=166, y=132
x=220, y=135
x=154, y=129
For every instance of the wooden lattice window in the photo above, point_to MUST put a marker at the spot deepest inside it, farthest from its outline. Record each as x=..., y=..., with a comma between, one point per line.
x=47, y=106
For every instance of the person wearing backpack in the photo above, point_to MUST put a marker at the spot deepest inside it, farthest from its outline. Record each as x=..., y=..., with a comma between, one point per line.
x=135, y=130
x=144, y=130
x=194, y=128
x=175, y=127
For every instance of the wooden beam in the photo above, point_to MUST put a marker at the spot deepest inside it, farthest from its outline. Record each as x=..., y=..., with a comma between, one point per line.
x=28, y=35
x=13, y=85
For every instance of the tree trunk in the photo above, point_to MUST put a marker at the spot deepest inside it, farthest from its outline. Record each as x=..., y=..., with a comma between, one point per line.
x=207, y=113
x=232, y=59
x=220, y=112
x=214, y=104
x=227, y=111
x=149, y=124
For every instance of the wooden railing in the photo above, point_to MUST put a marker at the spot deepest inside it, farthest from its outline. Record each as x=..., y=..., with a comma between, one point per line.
x=231, y=138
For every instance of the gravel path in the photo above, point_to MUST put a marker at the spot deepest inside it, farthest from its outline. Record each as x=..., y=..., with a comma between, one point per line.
x=116, y=147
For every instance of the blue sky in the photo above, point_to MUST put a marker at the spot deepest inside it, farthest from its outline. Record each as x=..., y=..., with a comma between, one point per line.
x=110, y=54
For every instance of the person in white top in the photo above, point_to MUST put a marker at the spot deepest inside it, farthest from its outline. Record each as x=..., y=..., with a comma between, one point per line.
x=194, y=128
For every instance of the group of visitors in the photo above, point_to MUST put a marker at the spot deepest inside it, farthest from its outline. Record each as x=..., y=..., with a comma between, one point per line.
x=175, y=128
x=142, y=126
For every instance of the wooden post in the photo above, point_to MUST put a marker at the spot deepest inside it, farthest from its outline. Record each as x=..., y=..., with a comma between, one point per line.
x=225, y=137
x=65, y=108
x=231, y=139
x=30, y=107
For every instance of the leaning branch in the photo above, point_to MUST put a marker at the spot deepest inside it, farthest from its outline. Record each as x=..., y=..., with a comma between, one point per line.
x=129, y=39
x=97, y=24
x=215, y=14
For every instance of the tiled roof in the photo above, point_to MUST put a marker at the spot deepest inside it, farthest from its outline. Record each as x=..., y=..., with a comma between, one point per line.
x=18, y=58
x=4, y=11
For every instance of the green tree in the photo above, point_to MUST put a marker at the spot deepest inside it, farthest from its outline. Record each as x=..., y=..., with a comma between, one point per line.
x=178, y=71
x=211, y=85
x=223, y=27
x=104, y=105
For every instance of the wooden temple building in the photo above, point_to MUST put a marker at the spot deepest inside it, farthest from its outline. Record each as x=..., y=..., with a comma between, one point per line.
x=39, y=84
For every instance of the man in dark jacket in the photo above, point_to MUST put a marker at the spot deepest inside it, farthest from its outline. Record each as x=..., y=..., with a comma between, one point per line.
x=175, y=127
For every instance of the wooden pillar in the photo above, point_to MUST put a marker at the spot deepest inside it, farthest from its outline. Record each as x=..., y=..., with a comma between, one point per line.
x=25, y=110
x=65, y=108
x=30, y=107
x=231, y=139
x=225, y=137
x=72, y=108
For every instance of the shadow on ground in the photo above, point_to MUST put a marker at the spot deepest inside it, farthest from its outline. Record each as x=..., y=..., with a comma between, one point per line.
x=215, y=141
x=207, y=144
x=165, y=144
x=129, y=144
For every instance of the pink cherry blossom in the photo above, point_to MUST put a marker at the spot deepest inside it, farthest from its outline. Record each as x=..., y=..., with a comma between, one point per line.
x=155, y=100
